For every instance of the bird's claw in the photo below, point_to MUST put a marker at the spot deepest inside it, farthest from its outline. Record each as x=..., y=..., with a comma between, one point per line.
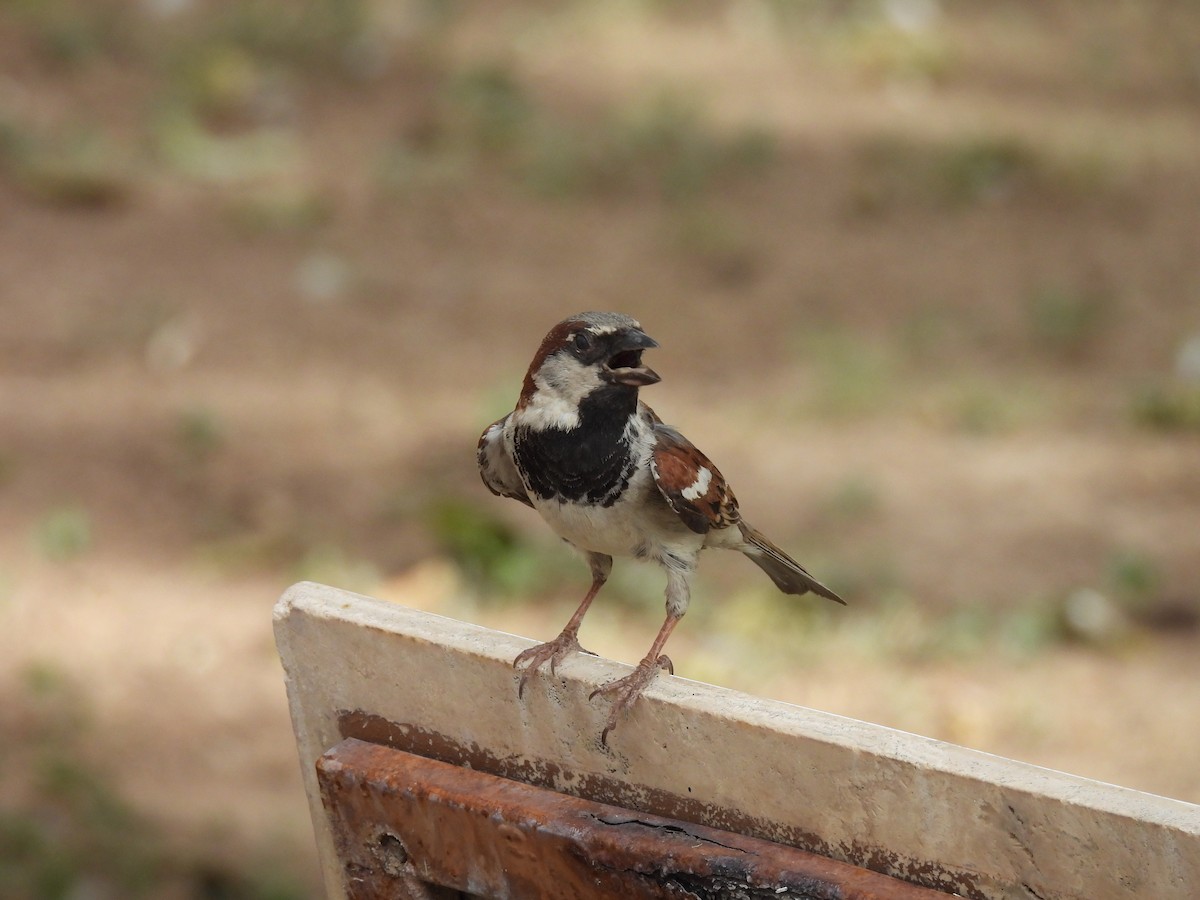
x=626, y=690
x=551, y=651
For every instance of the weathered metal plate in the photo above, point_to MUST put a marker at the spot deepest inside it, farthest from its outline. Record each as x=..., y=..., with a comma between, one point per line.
x=399, y=818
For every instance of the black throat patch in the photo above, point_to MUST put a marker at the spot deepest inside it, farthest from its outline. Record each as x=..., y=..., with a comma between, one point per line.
x=592, y=462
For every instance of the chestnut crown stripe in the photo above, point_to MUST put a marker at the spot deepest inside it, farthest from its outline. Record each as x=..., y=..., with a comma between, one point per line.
x=555, y=340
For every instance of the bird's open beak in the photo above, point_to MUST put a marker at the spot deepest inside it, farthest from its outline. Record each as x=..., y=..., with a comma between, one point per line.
x=624, y=366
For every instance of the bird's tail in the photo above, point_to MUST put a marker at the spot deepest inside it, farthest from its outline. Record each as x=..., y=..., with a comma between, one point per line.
x=789, y=576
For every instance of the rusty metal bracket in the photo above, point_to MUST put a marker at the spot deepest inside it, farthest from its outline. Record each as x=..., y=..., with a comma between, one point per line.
x=405, y=824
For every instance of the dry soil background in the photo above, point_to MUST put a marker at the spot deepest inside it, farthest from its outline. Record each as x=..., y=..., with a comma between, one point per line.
x=926, y=278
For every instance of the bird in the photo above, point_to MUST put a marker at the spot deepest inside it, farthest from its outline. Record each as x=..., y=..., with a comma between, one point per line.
x=613, y=480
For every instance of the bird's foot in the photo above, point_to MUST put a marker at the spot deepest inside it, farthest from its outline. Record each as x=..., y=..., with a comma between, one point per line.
x=625, y=690
x=551, y=651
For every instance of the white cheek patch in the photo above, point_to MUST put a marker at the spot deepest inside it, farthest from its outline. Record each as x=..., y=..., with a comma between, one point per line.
x=547, y=410
x=699, y=487
x=562, y=384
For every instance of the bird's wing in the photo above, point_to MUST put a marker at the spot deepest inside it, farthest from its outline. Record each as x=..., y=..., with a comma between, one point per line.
x=496, y=467
x=690, y=483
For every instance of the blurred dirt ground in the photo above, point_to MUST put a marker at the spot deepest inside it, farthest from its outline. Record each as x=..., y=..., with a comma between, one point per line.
x=927, y=283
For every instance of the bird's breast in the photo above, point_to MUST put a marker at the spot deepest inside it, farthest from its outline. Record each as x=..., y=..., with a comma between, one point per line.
x=637, y=524
x=581, y=465
x=593, y=485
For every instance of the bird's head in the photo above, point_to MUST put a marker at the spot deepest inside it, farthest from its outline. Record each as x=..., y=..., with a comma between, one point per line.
x=586, y=353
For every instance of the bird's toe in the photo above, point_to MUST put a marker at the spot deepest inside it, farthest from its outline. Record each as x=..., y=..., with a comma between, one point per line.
x=625, y=691
x=551, y=652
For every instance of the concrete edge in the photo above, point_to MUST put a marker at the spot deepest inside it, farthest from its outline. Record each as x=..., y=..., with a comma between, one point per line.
x=934, y=813
x=322, y=601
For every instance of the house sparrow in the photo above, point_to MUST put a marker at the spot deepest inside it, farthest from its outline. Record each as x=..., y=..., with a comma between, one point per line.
x=611, y=479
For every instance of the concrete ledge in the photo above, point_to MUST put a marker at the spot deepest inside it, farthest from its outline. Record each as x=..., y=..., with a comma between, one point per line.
x=922, y=810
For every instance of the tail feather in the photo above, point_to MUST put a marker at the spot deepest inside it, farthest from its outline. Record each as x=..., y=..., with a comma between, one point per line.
x=789, y=576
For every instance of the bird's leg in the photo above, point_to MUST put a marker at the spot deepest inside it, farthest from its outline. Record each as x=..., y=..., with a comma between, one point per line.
x=625, y=690
x=567, y=641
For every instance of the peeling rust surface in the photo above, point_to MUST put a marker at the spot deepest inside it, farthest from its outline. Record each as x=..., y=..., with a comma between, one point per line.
x=551, y=775
x=400, y=819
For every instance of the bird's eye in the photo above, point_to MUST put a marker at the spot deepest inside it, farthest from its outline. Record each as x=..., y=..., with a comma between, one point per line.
x=582, y=341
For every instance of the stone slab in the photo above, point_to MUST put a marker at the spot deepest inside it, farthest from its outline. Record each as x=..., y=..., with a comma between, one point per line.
x=926, y=811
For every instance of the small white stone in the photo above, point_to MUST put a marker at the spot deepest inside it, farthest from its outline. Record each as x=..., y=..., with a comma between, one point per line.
x=1187, y=362
x=322, y=278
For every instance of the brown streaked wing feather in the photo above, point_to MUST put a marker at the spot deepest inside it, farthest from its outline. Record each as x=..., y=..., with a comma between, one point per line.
x=679, y=471
x=496, y=467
